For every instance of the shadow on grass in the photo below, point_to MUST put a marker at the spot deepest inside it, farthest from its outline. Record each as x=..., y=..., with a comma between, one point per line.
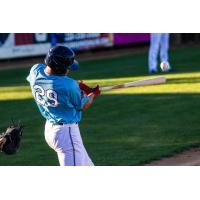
x=135, y=129
x=117, y=129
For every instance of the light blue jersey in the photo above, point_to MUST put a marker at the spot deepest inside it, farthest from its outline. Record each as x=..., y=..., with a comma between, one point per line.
x=58, y=98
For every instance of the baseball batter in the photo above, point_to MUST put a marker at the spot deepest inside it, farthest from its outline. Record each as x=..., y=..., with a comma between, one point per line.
x=61, y=101
x=159, y=42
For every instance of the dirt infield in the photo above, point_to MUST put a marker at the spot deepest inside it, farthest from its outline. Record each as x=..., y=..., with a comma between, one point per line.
x=187, y=158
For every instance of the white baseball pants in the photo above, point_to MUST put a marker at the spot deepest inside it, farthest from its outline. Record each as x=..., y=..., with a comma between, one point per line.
x=159, y=41
x=67, y=142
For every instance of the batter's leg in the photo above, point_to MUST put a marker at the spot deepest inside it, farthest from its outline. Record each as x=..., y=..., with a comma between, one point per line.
x=67, y=142
x=153, y=51
x=65, y=148
x=82, y=158
x=164, y=47
x=57, y=137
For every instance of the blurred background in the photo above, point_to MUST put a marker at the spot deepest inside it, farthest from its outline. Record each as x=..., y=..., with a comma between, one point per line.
x=23, y=45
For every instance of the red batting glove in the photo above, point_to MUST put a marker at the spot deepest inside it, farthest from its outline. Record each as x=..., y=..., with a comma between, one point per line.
x=96, y=91
x=85, y=88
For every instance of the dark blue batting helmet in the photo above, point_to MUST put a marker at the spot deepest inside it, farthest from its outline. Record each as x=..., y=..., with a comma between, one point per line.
x=60, y=59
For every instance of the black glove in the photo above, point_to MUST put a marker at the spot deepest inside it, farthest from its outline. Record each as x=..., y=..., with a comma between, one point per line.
x=10, y=140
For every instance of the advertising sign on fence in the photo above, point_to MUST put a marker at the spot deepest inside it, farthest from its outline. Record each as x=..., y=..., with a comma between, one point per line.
x=16, y=45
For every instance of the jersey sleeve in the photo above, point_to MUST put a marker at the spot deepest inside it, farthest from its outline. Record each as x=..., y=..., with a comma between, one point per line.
x=31, y=77
x=76, y=98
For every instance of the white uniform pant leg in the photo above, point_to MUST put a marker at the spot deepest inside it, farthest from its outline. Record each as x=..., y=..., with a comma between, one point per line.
x=153, y=50
x=164, y=46
x=67, y=142
x=80, y=153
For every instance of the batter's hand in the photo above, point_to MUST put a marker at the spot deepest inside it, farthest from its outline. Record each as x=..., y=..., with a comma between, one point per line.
x=96, y=91
x=85, y=88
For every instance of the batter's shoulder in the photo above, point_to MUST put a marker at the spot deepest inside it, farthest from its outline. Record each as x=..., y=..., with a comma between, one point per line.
x=37, y=66
x=35, y=70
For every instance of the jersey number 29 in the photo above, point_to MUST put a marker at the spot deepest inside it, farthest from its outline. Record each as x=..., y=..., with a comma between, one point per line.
x=51, y=96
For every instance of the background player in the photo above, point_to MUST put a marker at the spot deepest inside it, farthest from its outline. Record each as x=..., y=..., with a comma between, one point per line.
x=159, y=42
x=61, y=102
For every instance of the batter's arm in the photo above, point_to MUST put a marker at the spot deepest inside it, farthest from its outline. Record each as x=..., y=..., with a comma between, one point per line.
x=96, y=92
x=89, y=102
x=82, y=102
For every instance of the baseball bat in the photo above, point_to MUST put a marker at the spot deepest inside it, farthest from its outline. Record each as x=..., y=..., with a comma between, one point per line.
x=150, y=81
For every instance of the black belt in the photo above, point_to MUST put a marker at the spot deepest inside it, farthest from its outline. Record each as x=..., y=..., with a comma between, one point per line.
x=63, y=123
x=58, y=124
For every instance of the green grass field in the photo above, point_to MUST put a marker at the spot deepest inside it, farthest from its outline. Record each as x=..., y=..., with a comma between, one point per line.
x=130, y=126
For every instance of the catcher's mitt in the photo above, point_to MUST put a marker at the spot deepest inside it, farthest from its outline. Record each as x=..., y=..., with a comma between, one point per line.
x=10, y=140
